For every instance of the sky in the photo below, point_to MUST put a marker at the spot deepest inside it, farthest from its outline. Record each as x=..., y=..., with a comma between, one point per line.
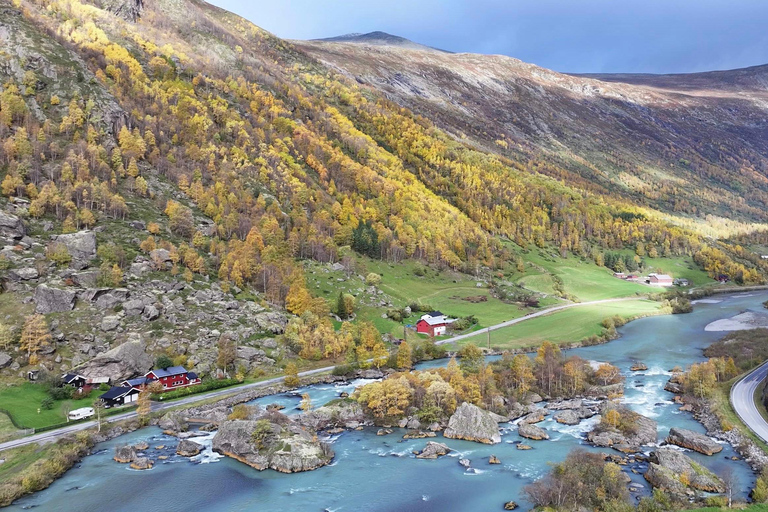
x=578, y=36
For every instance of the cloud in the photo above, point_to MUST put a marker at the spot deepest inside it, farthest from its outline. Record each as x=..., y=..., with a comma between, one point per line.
x=642, y=36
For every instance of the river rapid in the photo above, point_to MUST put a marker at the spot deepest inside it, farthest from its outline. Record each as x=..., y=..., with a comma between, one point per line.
x=380, y=473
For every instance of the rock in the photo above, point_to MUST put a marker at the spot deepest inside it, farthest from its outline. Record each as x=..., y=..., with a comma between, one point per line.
x=150, y=313
x=187, y=448
x=673, y=387
x=567, y=417
x=288, y=449
x=138, y=224
x=110, y=323
x=141, y=446
x=531, y=431
x=53, y=300
x=5, y=360
x=81, y=245
x=642, y=433
x=418, y=434
x=105, y=298
x=510, y=505
x=270, y=321
x=88, y=279
x=472, y=423
x=638, y=367
x=493, y=460
x=464, y=463
x=693, y=441
x=11, y=226
x=125, y=454
x=561, y=405
x=371, y=374
x=686, y=408
x=120, y=363
x=673, y=471
x=133, y=307
x=383, y=431
x=433, y=450
x=522, y=446
x=536, y=416
x=23, y=274
x=141, y=463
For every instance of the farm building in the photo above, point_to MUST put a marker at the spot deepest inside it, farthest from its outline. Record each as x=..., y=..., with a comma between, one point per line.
x=433, y=324
x=660, y=280
x=119, y=395
x=173, y=378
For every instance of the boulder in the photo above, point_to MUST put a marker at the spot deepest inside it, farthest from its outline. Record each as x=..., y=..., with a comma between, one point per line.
x=270, y=321
x=173, y=422
x=673, y=471
x=110, y=323
x=433, y=450
x=472, y=423
x=5, y=360
x=531, y=431
x=522, y=446
x=53, y=300
x=120, y=363
x=338, y=414
x=465, y=463
x=562, y=405
x=187, y=448
x=11, y=226
x=125, y=454
x=673, y=387
x=493, y=460
x=288, y=449
x=567, y=417
x=87, y=279
x=81, y=245
x=161, y=255
x=535, y=416
x=23, y=274
x=141, y=463
x=693, y=441
x=642, y=433
x=150, y=313
x=638, y=367
x=510, y=505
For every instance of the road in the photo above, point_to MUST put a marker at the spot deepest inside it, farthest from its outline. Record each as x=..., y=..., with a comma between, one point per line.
x=52, y=435
x=742, y=399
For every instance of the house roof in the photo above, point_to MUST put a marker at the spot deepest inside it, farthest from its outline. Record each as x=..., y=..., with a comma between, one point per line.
x=434, y=320
x=661, y=277
x=98, y=380
x=116, y=392
x=435, y=313
x=69, y=377
x=168, y=372
x=138, y=381
x=192, y=376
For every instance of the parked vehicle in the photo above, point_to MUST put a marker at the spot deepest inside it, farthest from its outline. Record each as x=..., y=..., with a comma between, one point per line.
x=80, y=414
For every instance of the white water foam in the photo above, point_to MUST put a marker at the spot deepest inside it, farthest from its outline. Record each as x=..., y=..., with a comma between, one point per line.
x=206, y=455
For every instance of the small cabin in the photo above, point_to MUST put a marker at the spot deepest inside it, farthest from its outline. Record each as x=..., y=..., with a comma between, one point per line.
x=73, y=379
x=119, y=395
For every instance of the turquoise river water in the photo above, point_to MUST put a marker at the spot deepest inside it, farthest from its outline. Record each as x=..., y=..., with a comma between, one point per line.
x=380, y=473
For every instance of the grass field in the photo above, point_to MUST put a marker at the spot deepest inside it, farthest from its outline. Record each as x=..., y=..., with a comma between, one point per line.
x=7, y=430
x=758, y=507
x=23, y=402
x=565, y=326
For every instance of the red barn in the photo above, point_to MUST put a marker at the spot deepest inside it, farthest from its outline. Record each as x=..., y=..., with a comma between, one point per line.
x=172, y=378
x=433, y=324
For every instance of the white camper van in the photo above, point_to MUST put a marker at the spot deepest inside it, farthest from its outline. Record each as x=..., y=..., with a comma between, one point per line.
x=80, y=414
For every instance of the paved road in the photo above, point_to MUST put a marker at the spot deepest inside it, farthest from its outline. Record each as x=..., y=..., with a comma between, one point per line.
x=533, y=315
x=742, y=399
x=52, y=435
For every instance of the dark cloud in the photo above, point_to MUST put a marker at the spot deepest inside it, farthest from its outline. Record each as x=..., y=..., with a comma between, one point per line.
x=643, y=36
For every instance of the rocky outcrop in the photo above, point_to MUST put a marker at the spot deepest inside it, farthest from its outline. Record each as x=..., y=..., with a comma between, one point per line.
x=433, y=450
x=11, y=226
x=567, y=417
x=693, y=441
x=633, y=431
x=472, y=423
x=493, y=460
x=129, y=10
x=270, y=321
x=285, y=448
x=187, y=448
x=81, y=246
x=343, y=413
x=120, y=363
x=510, y=505
x=53, y=300
x=675, y=472
x=638, y=367
x=141, y=463
x=5, y=360
x=531, y=431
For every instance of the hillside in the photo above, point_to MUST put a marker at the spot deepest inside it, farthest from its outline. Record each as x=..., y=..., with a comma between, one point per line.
x=693, y=146
x=175, y=177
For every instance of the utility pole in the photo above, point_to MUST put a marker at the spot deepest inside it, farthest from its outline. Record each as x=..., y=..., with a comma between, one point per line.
x=489, y=337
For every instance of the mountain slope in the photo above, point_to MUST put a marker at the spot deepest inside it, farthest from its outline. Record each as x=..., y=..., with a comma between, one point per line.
x=695, y=146
x=378, y=38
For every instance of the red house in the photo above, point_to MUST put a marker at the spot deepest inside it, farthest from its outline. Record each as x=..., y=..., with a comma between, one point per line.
x=171, y=378
x=433, y=324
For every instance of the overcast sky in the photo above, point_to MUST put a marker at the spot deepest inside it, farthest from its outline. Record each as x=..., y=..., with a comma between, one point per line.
x=648, y=36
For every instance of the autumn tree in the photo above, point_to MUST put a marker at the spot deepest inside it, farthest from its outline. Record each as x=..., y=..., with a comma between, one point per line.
x=291, y=378
x=471, y=358
x=35, y=337
x=226, y=353
x=306, y=403
x=404, y=357
x=7, y=336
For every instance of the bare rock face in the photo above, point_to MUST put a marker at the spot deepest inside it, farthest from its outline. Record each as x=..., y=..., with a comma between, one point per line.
x=129, y=10
x=120, y=363
x=285, y=448
x=346, y=413
x=271, y=321
x=433, y=450
x=531, y=431
x=673, y=471
x=81, y=245
x=472, y=423
x=187, y=448
x=693, y=441
x=53, y=300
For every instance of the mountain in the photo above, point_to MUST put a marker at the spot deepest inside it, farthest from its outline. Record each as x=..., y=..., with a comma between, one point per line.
x=379, y=38
x=171, y=174
x=688, y=145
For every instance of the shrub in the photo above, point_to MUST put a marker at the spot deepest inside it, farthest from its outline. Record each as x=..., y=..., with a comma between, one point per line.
x=343, y=370
x=58, y=253
x=373, y=279
x=47, y=403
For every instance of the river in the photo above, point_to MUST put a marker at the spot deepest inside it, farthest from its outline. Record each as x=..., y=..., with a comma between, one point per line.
x=379, y=473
